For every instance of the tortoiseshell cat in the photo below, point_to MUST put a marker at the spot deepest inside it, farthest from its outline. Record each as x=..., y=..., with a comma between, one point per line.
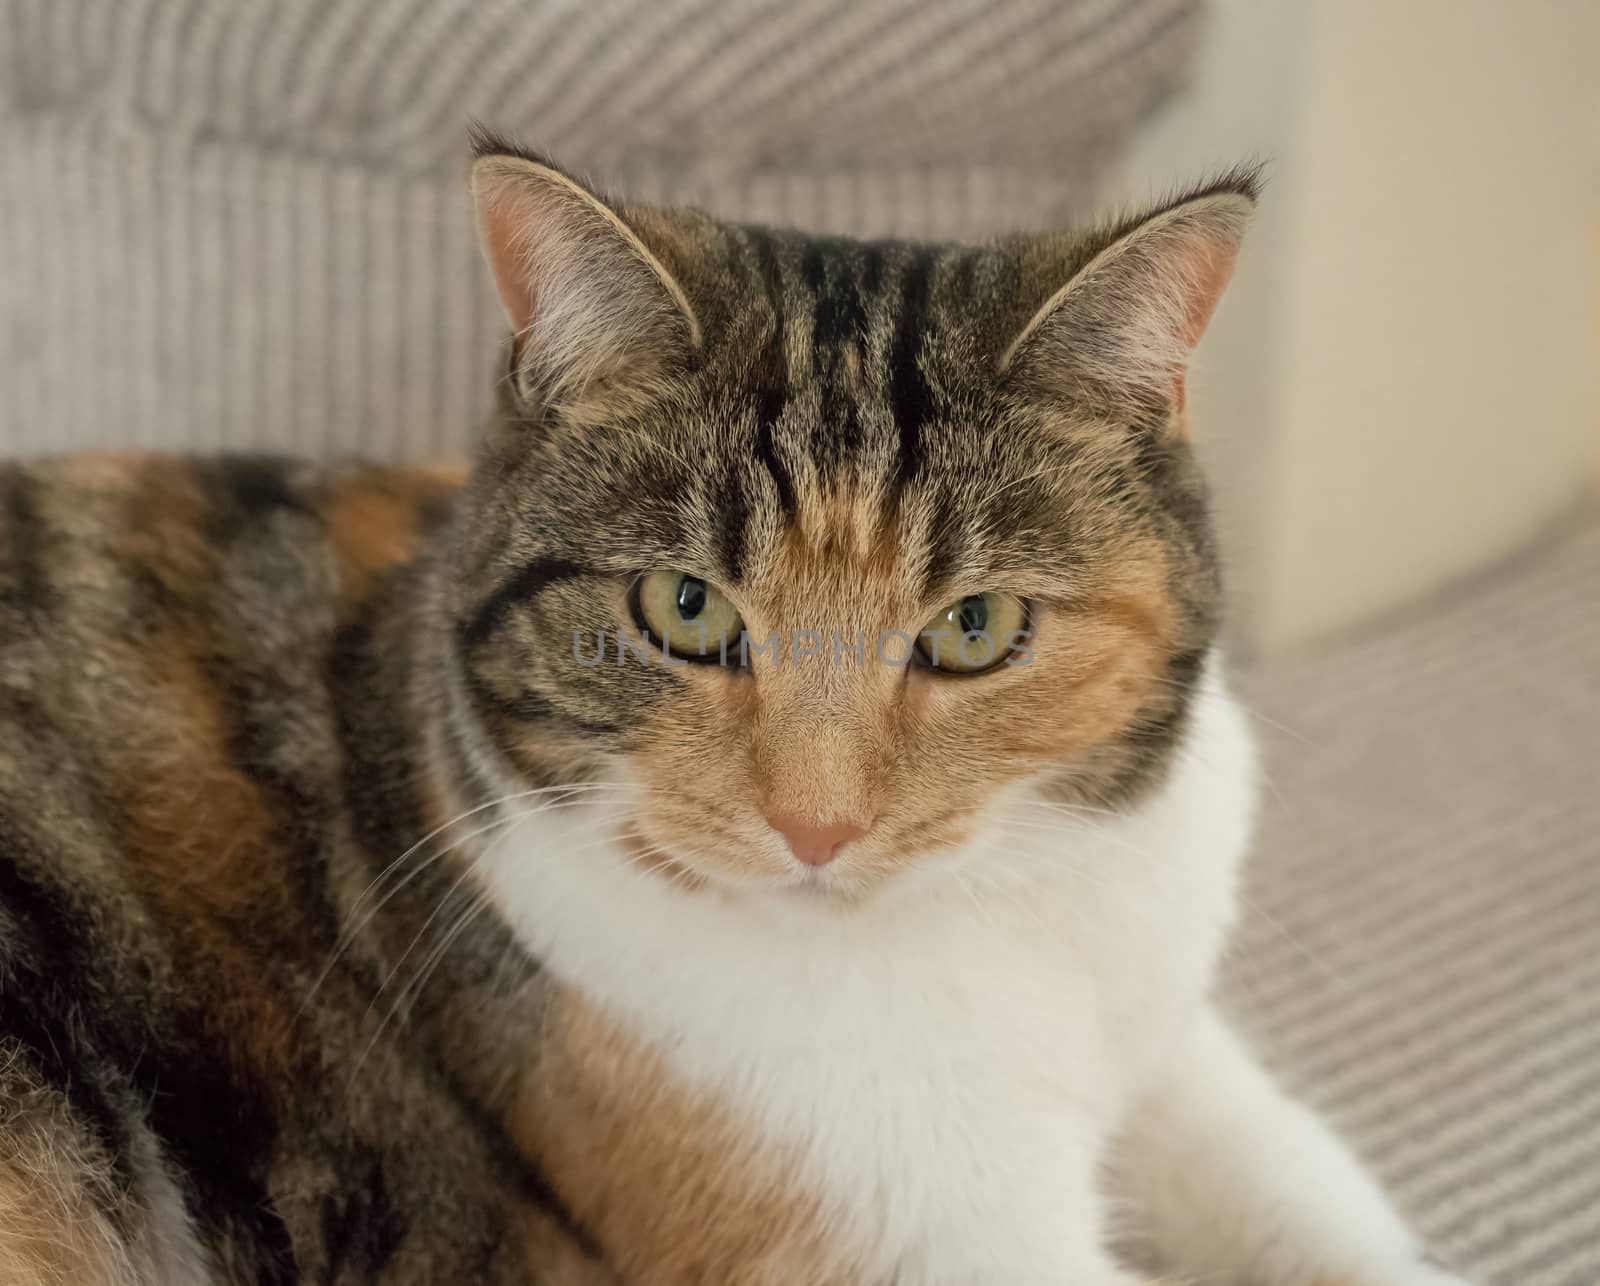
x=774, y=823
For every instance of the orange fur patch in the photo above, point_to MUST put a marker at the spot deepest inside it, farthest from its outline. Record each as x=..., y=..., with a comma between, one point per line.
x=47, y=1235
x=374, y=520
x=51, y=1232
x=674, y=1189
x=203, y=838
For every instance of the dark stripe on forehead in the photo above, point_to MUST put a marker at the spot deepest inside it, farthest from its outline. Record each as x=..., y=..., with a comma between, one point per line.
x=813, y=266
x=733, y=515
x=772, y=375
x=838, y=338
x=910, y=398
x=840, y=315
x=966, y=276
x=873, y=260
x=519, y=588
x=767, y=452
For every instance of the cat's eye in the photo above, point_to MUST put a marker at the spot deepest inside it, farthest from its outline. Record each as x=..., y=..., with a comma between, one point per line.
x=687, y=616
x=974, y=634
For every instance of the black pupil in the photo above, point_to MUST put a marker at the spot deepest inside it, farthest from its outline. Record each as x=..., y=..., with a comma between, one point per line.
x=691, y=597
x=973, y=614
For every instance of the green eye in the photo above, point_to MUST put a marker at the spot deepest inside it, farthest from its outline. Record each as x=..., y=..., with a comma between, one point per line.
x=687, y=616
x=973, y=634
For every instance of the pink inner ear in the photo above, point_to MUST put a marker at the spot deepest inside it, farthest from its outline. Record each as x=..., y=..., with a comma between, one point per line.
x=1209, y=270
x=503, y=233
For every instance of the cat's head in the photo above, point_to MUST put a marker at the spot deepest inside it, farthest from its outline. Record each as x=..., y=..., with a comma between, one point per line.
x=824, y=544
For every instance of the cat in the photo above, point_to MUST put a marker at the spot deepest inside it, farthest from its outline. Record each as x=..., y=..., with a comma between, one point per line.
x=775, y=821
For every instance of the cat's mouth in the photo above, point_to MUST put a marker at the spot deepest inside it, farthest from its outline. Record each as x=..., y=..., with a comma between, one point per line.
x=691, y=872
x=818, y=883
x=657, y=860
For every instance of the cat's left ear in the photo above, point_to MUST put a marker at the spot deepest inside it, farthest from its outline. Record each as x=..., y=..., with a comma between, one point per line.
x=597, y=318
x=1118, y=335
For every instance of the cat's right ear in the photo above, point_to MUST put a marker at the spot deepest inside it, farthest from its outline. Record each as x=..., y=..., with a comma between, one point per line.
x=596, y=318
x=1118, y=334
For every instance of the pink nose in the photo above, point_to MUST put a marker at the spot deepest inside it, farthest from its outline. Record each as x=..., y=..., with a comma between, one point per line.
x=813, y=844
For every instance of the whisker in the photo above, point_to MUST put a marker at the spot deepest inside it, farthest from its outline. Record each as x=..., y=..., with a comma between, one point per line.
x=1086, y=872
x=479, y=903
x=461, y=817
x=481, y=900
x=677, y=876
x=348, y=938
x=471, y=868
x=1079, y=812
x=466, y=872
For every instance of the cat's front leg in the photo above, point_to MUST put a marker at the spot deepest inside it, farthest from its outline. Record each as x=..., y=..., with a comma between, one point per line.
x=1237, y=1185
x=1039, y=1223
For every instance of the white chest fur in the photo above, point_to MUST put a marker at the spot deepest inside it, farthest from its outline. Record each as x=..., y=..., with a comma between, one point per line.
x=949, y=1057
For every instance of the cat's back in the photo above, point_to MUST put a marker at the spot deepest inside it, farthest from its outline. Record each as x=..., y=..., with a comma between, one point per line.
x=173, y=632
x=190, y=715
x=146, y=597
x=135, y=558
x=167, y=625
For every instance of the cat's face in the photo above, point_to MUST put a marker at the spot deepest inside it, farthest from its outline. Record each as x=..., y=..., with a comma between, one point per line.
x=822, y=544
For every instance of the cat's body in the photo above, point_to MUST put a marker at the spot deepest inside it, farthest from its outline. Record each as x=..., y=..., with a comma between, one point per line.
x=207, y=753
x=363, y=919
